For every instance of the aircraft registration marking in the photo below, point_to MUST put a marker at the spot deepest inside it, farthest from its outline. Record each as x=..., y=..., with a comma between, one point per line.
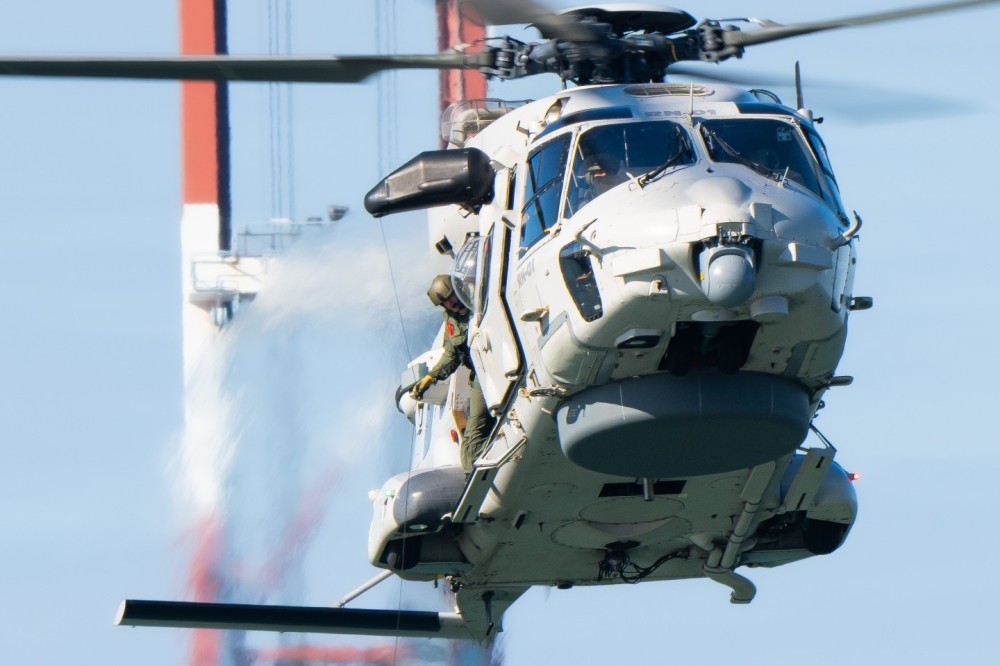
x=525, y=272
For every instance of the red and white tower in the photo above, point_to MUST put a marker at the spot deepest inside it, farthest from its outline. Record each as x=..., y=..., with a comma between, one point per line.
x=215, y=279
x=459, y=26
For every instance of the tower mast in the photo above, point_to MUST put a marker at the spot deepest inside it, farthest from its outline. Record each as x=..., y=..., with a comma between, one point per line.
x=208, y=288
x=459, y=26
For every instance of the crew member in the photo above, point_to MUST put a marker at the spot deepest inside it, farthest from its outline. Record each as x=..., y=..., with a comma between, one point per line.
x=456, y=354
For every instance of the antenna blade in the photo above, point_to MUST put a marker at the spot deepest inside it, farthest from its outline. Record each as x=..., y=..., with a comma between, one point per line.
x=799, y=99
x=774, y=32
x=250, y=617
x=290, y=69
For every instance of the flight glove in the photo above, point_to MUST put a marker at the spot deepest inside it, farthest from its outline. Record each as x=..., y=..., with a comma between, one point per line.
x=421, y=387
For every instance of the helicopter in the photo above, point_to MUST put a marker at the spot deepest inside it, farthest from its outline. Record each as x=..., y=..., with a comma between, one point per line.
x=708, y=343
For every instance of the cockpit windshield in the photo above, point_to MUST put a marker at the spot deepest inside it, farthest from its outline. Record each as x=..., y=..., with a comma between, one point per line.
x=608, y=155
x=768, y=146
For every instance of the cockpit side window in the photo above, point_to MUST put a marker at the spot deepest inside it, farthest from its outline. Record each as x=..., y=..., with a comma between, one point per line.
x=768, y=146
x=820, y=149
x=608, y=155
x=832, y=190
x=544, y=178
x=484, y=281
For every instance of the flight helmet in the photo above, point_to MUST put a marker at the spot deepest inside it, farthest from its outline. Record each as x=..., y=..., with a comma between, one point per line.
x=440, y=289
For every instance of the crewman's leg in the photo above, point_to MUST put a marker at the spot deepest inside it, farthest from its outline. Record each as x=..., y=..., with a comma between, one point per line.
x=478, y=428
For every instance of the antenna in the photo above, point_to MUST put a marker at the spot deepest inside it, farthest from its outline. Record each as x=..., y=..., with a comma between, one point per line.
x=800, y=104
x=691, y=104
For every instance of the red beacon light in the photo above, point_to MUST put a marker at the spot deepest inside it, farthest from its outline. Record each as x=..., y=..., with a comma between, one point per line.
x=853, y=476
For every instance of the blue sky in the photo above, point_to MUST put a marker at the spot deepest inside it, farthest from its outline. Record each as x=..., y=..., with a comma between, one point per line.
x=91, y=396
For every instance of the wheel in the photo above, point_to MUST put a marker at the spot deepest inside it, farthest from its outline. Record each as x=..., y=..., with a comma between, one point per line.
x=402, y=554
x=680, y=353
x=822, y=537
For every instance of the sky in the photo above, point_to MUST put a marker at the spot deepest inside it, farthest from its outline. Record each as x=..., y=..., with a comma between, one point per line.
x=91, y=387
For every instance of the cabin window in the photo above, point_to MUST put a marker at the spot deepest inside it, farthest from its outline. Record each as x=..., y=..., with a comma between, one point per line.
x=511, y=189
x=543, y=187
x=768, y=146
x=464, y=272
x=609, y=155
x=484, y=282
x=578, y=274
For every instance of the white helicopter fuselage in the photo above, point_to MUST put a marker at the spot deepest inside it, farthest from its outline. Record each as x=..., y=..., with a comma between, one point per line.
x=659, y=278
x=660, y=288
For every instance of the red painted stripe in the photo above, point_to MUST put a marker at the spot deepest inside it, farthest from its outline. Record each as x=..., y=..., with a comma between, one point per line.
x=197, y=27
x=472, y=29
x=459, y=24
x=198, y=136
x=198, y=130
x=205, y=581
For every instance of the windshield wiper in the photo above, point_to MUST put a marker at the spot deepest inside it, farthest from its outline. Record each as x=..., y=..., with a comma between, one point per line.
x=715, y=139
x=684, y=149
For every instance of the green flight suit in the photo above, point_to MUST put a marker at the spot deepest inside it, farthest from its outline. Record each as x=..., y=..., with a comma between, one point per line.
x=456, y=354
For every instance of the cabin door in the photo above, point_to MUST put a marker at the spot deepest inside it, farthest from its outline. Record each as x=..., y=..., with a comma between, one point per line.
x=493, y=344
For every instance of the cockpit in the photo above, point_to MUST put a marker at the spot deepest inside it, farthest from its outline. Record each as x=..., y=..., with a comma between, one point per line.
x=607, y=156
x=768, y=146
x=573, y=169
x=602, y=158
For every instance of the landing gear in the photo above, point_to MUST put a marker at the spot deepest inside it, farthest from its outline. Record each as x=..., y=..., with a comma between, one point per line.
x=731, y=351
x=822, y=537
x=402, y=554
x=793, y=531
x=704, y=345
x=680, y=353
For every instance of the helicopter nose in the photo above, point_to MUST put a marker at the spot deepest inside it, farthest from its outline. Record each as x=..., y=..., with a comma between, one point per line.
x=728, y=276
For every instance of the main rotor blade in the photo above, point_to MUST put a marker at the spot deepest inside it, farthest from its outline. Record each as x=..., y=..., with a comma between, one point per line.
x=771, y=33
x=550, y=24
x=290, y=69
x=835, y=98
x=249, y=617
x=741, y=78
